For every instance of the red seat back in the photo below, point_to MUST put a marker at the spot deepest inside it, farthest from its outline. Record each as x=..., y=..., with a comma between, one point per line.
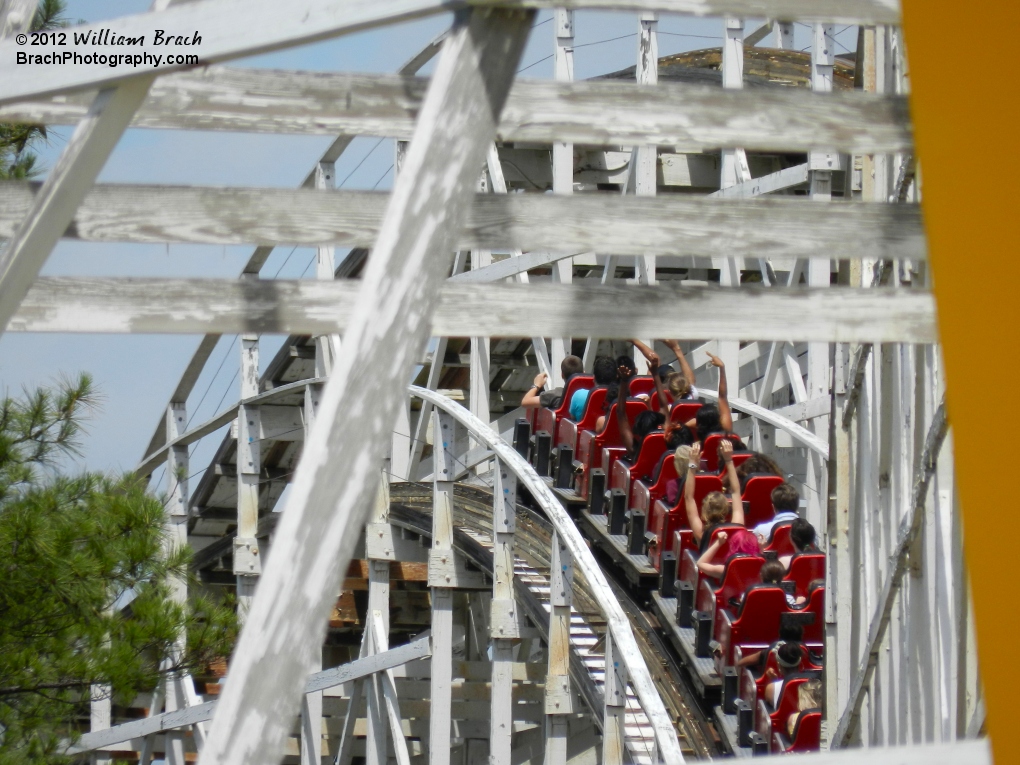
x=642, y=385
x=759, y=615
x=592, y=409
x=576, y=383
x=741, y=572
x=739, y=458
x=807, y=735
x=610, y=435
x=666, y=474
x=710, y=450
x=704, y=484
x=652, y=449
x=814, y=632
x=683, y=411
x=804, y=569
x=779, y=542
x=758, y=494
x=788, y=701
x=653, y=402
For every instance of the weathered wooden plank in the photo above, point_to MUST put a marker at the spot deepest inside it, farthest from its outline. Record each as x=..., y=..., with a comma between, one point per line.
x=338, y=477
x=60, y=304
x=510, y=266
x=416, y=649
x=39, y=225
x=231, y=29
x=688, y=117
x=15, y=16
x=218, y=30
x=606, y=223
x=783, y=179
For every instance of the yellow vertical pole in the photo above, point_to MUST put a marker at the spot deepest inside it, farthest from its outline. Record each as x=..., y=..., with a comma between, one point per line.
x=965, y=98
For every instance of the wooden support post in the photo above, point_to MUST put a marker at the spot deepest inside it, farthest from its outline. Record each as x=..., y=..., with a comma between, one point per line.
x=336, y=480
x=71, y=178
x=441, y=559
x=784, y=35
x=478, y=399
x=247, y=563
x=176, y=537
x=613, y=731
x=503, y=629
x=379, y=552
x=646, y=158
x=326, y=347
x=100, y=717
x=378, y=623
x=733, y=170
x=563, y=177
x=819, y=361
x=559, y=698
x=498, y=181
x=325, y=269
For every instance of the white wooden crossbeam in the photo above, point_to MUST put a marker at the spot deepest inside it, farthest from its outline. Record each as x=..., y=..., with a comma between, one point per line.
x=236, y=28
x=337, y=477
x=783, y=179
x=688, y=117
x=767, y=227
x=510, y=267
x=417, y=649
x=102, y=305
x=53, y=207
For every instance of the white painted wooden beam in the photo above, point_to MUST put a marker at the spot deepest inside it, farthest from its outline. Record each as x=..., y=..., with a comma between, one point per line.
x=783, y=179
x=803, y=314
x=687, y=117
x=219, y=30
x=232, y=29
x=766, y=227
x=759, y=34
x=508, y=267
x=337, y=477
x=54, y=206
x=16, y=16
x=418, y=648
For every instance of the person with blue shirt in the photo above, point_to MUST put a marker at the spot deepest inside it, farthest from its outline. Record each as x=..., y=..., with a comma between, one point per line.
x=605, y=374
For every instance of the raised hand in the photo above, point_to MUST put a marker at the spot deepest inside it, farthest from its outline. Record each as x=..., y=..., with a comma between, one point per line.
x=540, y=379
x=716, y=361
x=726, y=447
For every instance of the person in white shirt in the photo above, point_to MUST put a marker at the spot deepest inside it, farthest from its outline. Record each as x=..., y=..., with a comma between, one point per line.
x=785, y=501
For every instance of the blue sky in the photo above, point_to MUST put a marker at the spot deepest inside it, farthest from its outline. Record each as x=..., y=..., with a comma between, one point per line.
x=136, y=374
